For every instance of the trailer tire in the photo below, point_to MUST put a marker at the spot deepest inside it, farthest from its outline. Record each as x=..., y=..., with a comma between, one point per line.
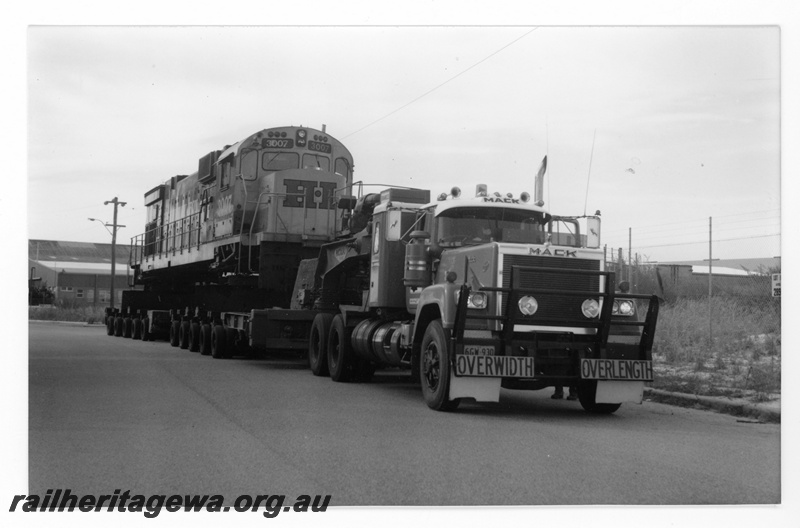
x=137, y=329
x=205, y=340
x=318, y=344
x=435, y=368
x=218, y=342
x=118, y=326
x=128, y=327
x=194, y=337
x=183, y=335
x=587, y=390
x=145, y=330
x=110, y=325
x=174, y=333
x=340, y=351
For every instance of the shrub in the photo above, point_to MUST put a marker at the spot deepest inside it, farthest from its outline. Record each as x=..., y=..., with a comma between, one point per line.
x=86, y=314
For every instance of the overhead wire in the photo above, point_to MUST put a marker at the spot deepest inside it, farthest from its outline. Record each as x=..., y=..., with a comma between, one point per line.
x=440, y=85
x=656, y=227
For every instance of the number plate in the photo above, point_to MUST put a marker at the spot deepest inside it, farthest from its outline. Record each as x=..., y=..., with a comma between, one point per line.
x=277, y=143
x=617, y=369
x=316, y=146
x=479, y=350
x=494, y=366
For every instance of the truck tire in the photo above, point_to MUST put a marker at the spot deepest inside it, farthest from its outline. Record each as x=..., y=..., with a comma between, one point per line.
x=340, y=351
x=137, y=329
x=587, y=390
x=218, y=342
x=110, y=325
x=146, y=330
x=183, y=335
x=128, y=327
x=119, y=325
x=174, y=333
x=434, y=368
x=194, y=337
x=318, y=344
x=205, y=340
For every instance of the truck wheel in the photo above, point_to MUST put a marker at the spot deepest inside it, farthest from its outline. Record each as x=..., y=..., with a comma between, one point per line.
x=318, y=344
x=110, y=325
x=137, y=329
x=174, y=333
x=205, y=340
x=119, y=325
x=340, y=352
x=194, y=337
x=434, y=368
x=586, y=393
x=218, y=342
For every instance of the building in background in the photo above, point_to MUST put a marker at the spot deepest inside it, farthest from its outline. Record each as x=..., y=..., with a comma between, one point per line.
x=78, y=272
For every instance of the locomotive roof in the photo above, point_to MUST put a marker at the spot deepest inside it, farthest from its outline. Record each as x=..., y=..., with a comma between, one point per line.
x=234, y=149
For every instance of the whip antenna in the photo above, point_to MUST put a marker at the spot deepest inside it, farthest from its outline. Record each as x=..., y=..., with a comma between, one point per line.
x=591, y=156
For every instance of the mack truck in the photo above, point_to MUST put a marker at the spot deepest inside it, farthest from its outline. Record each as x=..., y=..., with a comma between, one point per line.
x=471, y=294
x=474, y=295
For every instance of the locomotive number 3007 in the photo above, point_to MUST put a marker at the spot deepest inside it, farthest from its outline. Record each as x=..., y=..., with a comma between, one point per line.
x=277, y=143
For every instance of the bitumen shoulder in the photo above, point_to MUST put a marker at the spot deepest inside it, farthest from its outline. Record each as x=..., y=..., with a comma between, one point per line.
x=766, y=412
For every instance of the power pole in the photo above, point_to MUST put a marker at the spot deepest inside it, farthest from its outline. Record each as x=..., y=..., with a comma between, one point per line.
x=630, y=238
x=114, y=228
x=710, y=292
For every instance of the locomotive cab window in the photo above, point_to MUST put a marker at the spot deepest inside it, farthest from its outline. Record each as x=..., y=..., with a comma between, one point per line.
x=225, y=175
x=314, y=161
x=342, y=167
x=275, y=161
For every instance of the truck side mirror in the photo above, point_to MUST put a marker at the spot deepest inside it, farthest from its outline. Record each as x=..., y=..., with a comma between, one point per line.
x=593, y=232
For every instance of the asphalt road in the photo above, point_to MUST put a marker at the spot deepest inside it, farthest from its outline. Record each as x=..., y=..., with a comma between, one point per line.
x=111, y=413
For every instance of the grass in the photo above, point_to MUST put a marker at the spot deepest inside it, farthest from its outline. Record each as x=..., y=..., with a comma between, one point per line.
x=738, y=356
x=86, y=314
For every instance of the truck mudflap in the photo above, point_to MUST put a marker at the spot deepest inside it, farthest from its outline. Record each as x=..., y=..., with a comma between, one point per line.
x=524, y=359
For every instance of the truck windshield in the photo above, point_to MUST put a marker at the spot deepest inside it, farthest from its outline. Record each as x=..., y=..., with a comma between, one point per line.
x=462, y=226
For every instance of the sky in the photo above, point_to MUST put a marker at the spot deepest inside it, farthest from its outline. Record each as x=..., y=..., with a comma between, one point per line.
x=659, y=128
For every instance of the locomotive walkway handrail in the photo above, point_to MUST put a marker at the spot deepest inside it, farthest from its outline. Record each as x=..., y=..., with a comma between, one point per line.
x=176, y=236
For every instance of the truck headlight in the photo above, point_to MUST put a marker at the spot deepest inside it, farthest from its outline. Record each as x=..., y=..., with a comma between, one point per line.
x=590, y=308
x=624, y=307
x=528, y=305
x=476, y=301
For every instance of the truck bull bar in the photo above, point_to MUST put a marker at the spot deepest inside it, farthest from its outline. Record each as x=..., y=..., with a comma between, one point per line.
x=510, y=340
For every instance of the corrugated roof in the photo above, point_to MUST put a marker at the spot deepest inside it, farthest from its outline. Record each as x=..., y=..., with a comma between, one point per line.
x=82, y=268
x=717, y=270
x=57, y=250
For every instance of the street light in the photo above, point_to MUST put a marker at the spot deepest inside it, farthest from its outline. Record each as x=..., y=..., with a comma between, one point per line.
x=113, y=231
